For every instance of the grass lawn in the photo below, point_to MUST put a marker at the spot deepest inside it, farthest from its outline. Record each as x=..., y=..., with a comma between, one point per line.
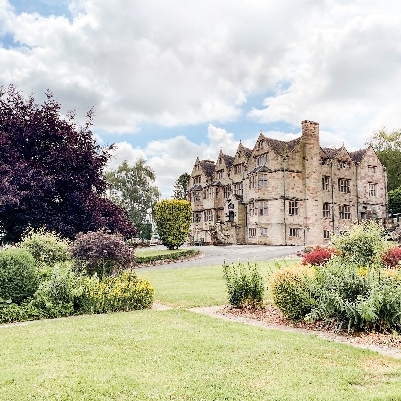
x=197, y=286
x=180, y=355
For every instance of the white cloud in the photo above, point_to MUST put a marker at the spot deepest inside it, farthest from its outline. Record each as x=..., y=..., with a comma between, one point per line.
x=172, y=157
x=181, y=63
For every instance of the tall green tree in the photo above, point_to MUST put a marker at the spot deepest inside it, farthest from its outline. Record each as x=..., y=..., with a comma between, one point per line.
x=394, y=200
x=387, y=146
x=132, y=187
x=181, y=186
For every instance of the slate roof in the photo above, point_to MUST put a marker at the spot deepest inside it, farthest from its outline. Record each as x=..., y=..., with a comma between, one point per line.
x=196, y=187
x=247, y=151
x=357, y=156
x=208, y=167
x=330, y=152
x=228, y=160
x=278, y=146
x=261, y=169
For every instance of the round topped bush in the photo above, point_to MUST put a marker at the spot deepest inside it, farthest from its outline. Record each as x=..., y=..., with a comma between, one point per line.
x=18, y=275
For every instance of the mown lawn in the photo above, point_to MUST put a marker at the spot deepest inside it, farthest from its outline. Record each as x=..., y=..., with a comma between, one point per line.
x=179, y=355
x=198, y=286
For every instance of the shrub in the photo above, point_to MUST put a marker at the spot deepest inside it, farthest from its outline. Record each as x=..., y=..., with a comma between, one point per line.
x=141, y=259
x=357, y=298
x=290, y=291
x=102, y=253
x=18, y=275
x=391, y=257
x=319, y=256
x=58, y=296
x=46, y=247
x=245, y=285
x=362, y=245
x=122, y=292
x=173, y=219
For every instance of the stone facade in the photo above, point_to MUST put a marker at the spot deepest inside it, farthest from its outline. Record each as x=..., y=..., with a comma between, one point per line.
x=285, y=193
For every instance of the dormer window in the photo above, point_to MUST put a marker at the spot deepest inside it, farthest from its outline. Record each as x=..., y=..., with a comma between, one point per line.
x=197, y=179
x=261, y=144
x=343, y=165
x=219, y=174
x=238, y=169
x=220, y=160
x=261, y=160
x=372, y=169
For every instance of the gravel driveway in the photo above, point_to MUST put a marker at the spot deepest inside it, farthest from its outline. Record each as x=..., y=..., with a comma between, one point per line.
x=215, y=255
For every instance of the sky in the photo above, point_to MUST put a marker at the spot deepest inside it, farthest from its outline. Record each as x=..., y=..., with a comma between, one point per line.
x=173, y=80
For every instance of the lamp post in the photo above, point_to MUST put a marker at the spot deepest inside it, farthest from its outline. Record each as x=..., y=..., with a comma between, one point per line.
x=306, y=229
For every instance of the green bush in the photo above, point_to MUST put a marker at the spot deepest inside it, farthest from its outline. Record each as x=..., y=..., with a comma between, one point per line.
x=122, y=292
x=173, y=219
x=102, y=253
x=46, y=247
x=290, y=291
x=357, y=298
x=245, y=285
x=142, y=259
x=18, y=275
x=59, y=295
x=362, y=245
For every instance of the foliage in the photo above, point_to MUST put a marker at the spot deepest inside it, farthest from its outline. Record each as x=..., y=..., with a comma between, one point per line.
x=122, y=292
x=59, y=295
x=394, y=200
x=290, y=291
x=149, y=256
x=391, y=257
x=356, y=298
x=68, y=292
x=46, y=247
x=387, y=146
x=173, y=218
x=181, y=186
x=102, y=253
x=245, y=285
x=362, y=245
x=18, y=276
x=51, y=171
x=132, y=188
x=319, y=256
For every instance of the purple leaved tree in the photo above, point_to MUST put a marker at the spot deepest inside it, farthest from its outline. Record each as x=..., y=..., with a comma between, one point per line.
x=51, y=171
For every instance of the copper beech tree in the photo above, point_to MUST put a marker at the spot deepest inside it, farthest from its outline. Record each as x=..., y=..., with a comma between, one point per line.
x=51, y=171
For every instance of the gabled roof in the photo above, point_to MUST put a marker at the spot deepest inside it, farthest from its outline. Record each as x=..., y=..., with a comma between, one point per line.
x=357, y=156
x=330, y=152
x=228, y=160
x=278, y=146
x=196, y=187
x=261, y=169
x=208, y=167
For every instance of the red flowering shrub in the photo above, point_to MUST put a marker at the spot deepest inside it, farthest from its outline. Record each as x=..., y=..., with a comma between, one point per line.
x=319, y=256
x=391, y=257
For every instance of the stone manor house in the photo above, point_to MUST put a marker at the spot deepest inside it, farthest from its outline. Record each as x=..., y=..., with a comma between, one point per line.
x=285, y=193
